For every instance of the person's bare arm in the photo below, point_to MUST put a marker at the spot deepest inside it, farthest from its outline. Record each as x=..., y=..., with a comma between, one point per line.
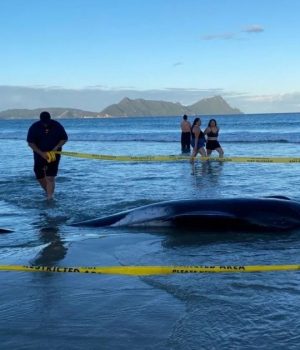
x=35, y=149
x=196, y=133
x=60, y=144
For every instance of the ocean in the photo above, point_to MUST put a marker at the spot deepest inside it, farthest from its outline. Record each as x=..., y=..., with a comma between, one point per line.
x=190, y=311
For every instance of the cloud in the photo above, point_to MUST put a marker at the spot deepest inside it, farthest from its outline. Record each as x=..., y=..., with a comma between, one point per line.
x=271, y=103
x=96, y=87
x=222, y=36
x=263, y=98
x=176, y=64
x=254, y=28
x=291, y=98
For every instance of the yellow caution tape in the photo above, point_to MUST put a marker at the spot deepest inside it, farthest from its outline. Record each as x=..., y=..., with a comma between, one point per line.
x=51, y=157
x=152, y=270
x=125, y=158
x=174, y=158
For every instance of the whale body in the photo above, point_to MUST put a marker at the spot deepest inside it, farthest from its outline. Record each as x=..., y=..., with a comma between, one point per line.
x=271, y=213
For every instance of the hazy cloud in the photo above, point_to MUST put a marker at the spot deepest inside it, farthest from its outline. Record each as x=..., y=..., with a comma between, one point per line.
x=176, y=64
x=271, y=103
x=291, y=98
x=254, y=28
x=96, y=87
x=222, y=36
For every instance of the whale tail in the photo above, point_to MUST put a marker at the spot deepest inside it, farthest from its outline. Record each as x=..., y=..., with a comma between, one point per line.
x=5, y=230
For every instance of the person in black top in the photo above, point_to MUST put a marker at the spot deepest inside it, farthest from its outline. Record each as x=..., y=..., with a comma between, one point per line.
x=212, y=132
x=44, y=136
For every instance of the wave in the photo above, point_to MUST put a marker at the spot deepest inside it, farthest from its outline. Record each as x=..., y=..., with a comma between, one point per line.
x=268, y=130
x=172, y=139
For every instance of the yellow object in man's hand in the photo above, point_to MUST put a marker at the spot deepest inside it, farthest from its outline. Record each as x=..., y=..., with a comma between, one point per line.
x=51, y=157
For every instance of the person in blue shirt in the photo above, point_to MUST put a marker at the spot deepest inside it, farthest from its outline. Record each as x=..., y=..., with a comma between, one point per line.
x=44, y=136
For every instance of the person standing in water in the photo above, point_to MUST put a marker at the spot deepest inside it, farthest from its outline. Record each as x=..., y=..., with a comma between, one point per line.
x=212, y=132
x=44, y=136
x=198, y=139
x=185, y=135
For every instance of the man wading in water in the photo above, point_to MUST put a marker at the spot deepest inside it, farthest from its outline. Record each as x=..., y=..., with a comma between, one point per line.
x=185, y=135
x=44, y=136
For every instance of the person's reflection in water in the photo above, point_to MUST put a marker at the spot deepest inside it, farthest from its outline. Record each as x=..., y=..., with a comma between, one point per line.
x=55, y=251
x=209, y=168
x=207, y=173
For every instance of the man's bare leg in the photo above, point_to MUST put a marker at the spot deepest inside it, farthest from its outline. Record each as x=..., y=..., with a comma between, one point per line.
x=50, y=186
x=43, y=183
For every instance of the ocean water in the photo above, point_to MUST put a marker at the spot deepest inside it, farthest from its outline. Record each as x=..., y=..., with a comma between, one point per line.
x=205, y=311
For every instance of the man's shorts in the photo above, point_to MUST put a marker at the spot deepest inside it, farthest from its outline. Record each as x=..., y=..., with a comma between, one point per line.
x=42, y=168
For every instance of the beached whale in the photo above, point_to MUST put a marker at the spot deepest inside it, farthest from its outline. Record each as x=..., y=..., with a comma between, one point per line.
x=270, y=213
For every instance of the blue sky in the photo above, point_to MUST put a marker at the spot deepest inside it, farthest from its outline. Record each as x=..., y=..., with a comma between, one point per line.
x=246, y=50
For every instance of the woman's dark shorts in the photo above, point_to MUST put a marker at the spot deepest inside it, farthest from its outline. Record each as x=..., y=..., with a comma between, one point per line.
x=212, y=145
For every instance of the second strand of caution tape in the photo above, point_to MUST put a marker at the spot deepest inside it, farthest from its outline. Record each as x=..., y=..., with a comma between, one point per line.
x=174, y=158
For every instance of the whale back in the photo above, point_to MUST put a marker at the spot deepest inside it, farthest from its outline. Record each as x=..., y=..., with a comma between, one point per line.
x=233, y=213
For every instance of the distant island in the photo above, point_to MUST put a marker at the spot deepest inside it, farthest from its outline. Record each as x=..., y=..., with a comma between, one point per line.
x=132, y=108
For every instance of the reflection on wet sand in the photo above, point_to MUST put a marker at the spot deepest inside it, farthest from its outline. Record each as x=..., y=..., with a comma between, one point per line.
x=186, y=238
x=55, y=251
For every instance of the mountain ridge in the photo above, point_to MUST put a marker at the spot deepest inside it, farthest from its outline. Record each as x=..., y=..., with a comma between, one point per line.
x=139, y=107
x=132, y=108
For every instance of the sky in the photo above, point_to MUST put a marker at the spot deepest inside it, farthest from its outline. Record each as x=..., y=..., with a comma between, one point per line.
x=91, y=53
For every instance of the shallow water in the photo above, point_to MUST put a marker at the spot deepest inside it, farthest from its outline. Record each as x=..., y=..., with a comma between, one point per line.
x=207, y=311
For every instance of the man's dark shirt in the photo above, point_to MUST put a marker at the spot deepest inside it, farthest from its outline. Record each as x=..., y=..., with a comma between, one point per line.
x=46, y=137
